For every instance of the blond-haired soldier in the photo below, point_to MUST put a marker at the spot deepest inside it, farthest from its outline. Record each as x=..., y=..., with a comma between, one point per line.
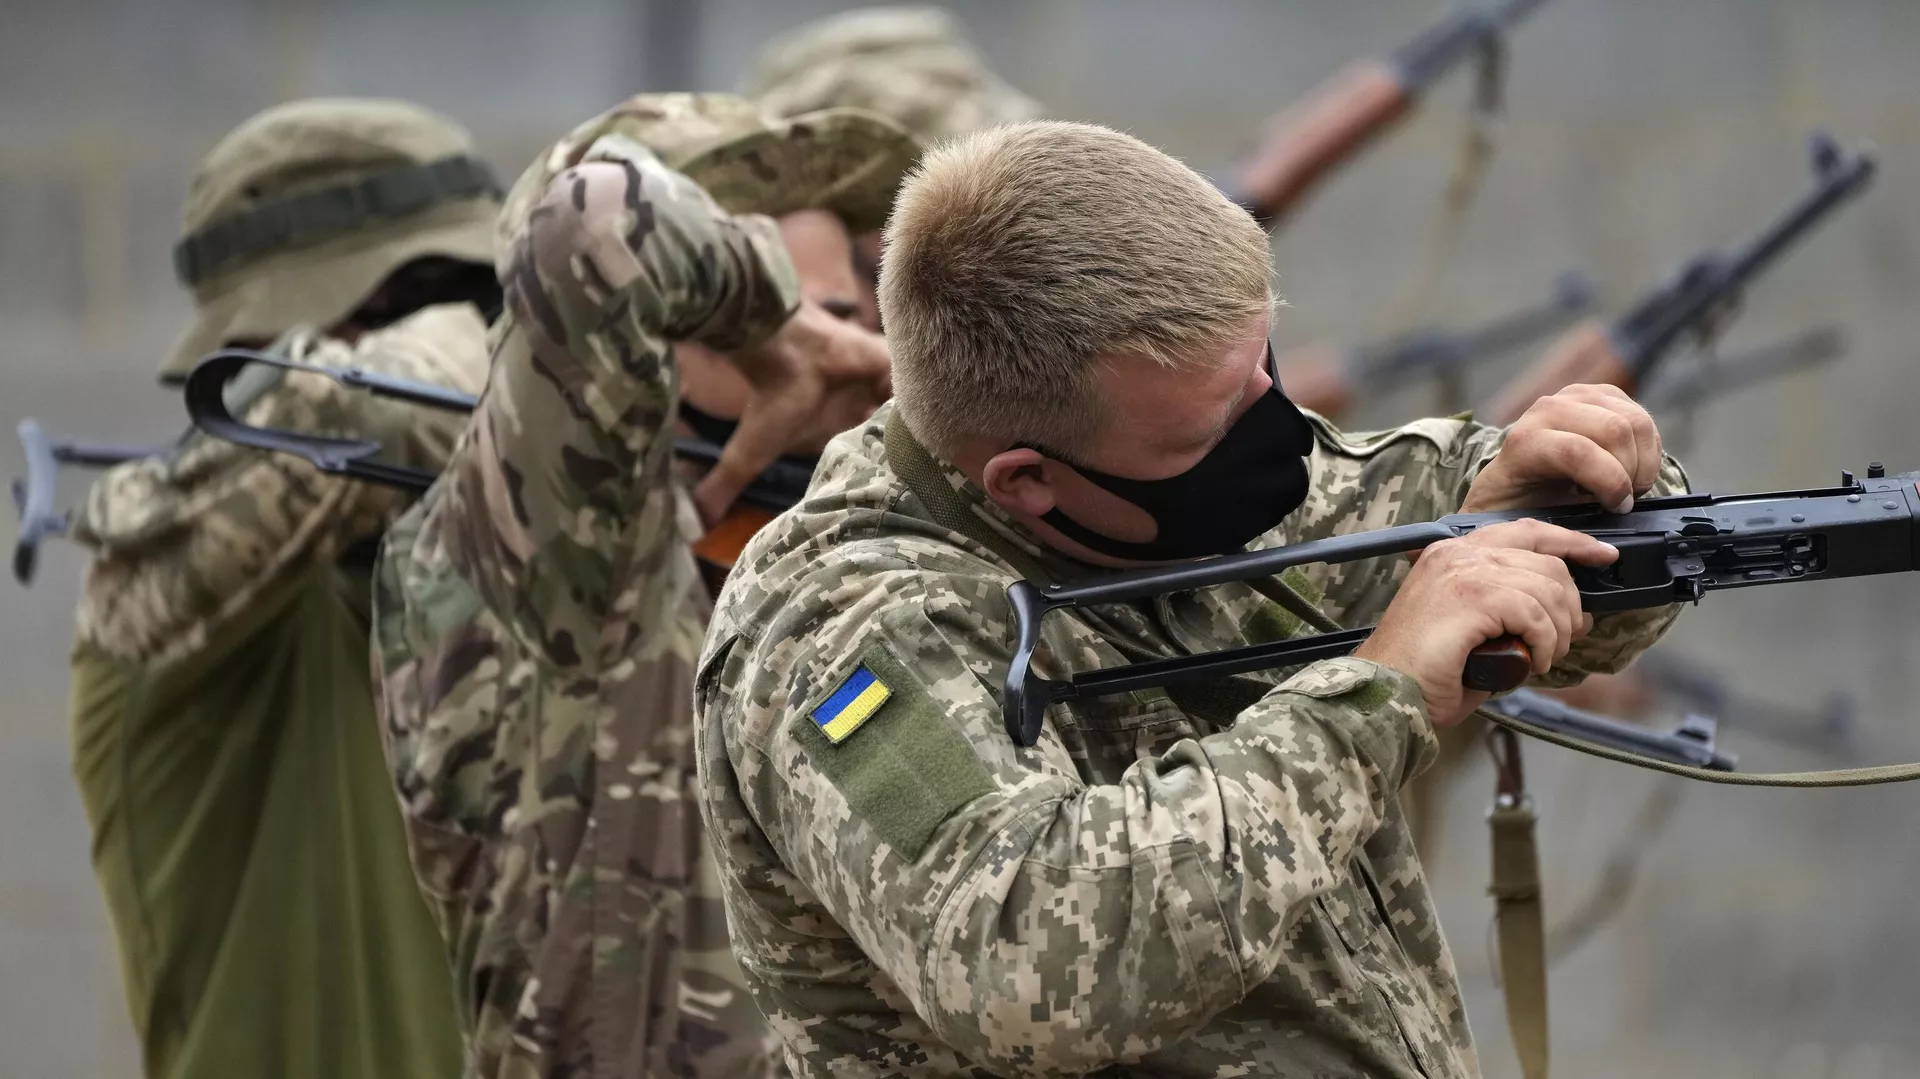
x=1211, y=880
x=539, y=612
x=224, y=736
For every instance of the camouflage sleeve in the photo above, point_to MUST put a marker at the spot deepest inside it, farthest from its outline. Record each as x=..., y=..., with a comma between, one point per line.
x=1420, y=472
x=563, y=484
x=184, y=542
x=1038, y=924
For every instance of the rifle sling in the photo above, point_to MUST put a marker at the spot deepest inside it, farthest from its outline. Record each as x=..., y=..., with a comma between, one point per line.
x=1830, y=777
x=1520, y=927
x=1519, y=922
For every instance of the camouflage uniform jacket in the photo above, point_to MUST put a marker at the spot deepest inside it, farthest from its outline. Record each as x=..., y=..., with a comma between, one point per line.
x=537, y=620
x=188, y=542
x=1207, y=882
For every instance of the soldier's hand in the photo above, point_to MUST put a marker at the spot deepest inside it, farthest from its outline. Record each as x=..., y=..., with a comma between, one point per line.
x=1583, y=443
x=1506, y=579
x=818, y=375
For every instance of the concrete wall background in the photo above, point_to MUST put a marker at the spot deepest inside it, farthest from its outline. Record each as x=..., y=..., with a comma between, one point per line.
x=1770, y=933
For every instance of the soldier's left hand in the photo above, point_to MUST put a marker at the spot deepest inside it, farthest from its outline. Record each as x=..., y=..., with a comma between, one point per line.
x=1585, y=443
x=817, y=369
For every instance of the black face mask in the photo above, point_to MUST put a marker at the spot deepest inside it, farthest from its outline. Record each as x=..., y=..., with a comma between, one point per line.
x=1242, y=488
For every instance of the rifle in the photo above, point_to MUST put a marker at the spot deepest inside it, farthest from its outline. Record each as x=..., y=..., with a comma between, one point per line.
x=1691, y=744
x=1675, y=549
x=1824, y=728
x=1712, y=378
x=1327, y=380
x=1696, y=302
x=1363, y=101
x=33, y=497
x=782, y=485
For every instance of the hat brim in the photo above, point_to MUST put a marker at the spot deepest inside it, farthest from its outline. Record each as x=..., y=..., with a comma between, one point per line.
x=318, y=286
x=847, y=161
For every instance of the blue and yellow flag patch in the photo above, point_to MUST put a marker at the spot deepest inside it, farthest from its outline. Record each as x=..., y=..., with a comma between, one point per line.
x=846, y=708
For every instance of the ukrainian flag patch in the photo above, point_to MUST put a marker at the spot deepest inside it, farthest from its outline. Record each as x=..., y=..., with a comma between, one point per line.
x=846, y=708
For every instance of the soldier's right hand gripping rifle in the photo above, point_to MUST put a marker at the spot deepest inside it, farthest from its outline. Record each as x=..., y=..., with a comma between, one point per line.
x=1350, y=112
x=1695, y=304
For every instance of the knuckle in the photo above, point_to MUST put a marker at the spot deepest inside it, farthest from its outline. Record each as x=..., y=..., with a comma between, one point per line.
x=1565, y=454
x=1617, y=429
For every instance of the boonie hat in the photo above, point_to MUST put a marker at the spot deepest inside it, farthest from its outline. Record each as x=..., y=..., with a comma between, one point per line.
x=298, y=214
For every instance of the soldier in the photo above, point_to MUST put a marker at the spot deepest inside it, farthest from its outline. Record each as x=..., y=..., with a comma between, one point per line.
x=539, y=612
x=1210, y=880
x=225, y=741
x=909, y=63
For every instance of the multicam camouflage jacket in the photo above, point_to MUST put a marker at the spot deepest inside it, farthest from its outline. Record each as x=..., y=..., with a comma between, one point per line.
x=187, y=542
x=537, y=620
x=1203, y=882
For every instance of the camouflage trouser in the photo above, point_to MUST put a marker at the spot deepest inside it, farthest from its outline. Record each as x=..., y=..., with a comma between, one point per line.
x=587, y=933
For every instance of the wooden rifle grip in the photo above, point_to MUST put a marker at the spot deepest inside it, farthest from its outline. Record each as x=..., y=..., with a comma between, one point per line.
x=1499, y=665
x=1326, y=128
x=1581, y=355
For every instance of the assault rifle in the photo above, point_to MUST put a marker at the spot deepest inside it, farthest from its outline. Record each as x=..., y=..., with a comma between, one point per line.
x=1353, y=109
x=1328, y=380
x=33, y=497
x=1826, y=728
x=778, y=487
x=1696, y=302
x=1672, y=550
x=1714, y=376
x=1691, y=744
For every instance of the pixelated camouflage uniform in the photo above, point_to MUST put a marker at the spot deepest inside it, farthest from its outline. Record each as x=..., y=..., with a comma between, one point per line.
x=539, y=613
x=225, y=743
x=1209, y=880
x=909, y=63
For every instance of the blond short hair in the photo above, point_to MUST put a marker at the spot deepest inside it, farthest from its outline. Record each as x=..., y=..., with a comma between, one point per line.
x=1021, y=256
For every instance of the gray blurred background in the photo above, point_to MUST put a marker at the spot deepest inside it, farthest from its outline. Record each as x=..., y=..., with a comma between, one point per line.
x=1769, y=934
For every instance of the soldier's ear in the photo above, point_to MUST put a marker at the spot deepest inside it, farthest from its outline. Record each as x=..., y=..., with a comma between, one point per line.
x=1019, y=479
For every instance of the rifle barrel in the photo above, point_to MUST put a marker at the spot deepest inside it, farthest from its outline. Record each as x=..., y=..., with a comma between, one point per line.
x=1710, y=283
x=1736, y=372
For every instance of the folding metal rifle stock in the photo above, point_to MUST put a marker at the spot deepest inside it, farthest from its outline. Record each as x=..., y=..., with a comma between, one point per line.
x=780, y=486
x=33, y=496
